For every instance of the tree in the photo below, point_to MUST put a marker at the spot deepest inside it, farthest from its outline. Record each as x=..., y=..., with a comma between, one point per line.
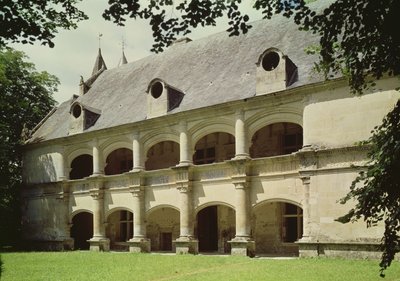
x=26, y=21
x=25, y=98
x=358, y=39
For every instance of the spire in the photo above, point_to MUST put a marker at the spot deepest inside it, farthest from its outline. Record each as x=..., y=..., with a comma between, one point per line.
x=99, y=64
x=123, y=59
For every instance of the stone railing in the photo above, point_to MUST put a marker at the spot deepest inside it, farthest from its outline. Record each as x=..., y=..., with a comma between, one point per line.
x=209, y=172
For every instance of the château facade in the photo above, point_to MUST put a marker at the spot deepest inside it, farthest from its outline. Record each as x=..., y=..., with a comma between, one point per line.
x=224, y=144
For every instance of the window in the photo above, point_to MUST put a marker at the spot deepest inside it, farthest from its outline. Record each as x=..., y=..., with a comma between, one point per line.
x=292, y=142
x=204, y=156
x=125, y=226
x=292, y=227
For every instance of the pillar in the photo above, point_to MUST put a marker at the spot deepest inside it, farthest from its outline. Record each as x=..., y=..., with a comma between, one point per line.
x=99, y=242
x=241, y=146
x=184, y=146
x=97, y=159
x=186, y=243
x=137, y=149
x=307, y=246
x=68, y=241
x=139, y=243
x=62, y=175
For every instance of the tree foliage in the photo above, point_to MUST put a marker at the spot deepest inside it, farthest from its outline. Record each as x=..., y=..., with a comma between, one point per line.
x=377, y=190
x=25, y=98
x=358, y=39
x=26, y=21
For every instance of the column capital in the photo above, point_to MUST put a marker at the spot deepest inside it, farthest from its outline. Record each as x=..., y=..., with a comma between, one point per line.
x=305, y=179
x=97, y=194
x=240, y=183
x=136, y=191
x=239, y=114
x=184, y=188
x=183, y=125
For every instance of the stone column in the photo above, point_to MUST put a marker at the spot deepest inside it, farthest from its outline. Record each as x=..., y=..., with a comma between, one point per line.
x=137, y=149
x=184, y=146
x=98, y=168
x=242, y=244
x=186, y=243
x=241, y=146
x=68, y=243
x=99, y=242
x=139, y=243
x=62, y=175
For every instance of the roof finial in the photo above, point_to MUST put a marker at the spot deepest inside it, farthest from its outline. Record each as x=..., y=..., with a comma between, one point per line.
x=123, y=59
x=100, y=35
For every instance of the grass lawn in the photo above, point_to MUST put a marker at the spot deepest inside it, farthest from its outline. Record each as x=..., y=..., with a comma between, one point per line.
x=126, y=266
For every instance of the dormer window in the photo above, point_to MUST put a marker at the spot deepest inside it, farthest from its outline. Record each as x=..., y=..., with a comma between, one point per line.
x=162, y=98
x=275, y=72
x=82, y=117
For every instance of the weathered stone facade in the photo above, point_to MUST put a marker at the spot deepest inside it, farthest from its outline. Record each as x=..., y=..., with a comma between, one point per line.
x=245, y=164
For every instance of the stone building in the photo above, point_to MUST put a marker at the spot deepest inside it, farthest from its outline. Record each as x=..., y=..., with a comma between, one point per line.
x=224, y=144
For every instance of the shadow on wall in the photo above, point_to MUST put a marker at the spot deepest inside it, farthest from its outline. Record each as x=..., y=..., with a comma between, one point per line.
x=42, y=171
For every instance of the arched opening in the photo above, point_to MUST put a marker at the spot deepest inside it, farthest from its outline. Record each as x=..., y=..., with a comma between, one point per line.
x=276, y=226
x=214, y=148
x=120, y=229
x=276, y=139
x=81, y=167
x=162, y=155
x=82, y=230
x=119, y=161
x=215, y=227
x=163, y=228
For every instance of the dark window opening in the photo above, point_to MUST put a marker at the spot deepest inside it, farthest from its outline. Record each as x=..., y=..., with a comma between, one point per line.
x=82, y=230
x=214, y=148
x=119, y=161
x=81, y=167
x=125, y=226
x=76, y=111
x=292, y=223
x=156, y=90
x=270, y=61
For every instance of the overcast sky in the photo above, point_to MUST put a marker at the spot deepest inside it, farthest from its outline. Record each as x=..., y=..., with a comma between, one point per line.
x=75, y=51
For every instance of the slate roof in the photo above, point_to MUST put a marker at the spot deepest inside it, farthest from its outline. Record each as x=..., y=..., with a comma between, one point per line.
x=213, y=70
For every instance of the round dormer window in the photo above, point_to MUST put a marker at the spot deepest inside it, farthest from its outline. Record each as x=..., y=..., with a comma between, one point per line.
x=156, y=89
x=270, y=61
x=77, y=111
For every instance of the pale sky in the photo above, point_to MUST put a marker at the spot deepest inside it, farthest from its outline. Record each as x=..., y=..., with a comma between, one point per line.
x=75, y=51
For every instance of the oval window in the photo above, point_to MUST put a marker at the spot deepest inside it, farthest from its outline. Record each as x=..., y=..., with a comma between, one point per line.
x=76, y=111
x=156, y=90
x=270, y=61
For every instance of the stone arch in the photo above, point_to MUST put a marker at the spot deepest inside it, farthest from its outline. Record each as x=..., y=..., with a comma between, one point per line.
x=81, y=167
x=279, y=138
x=79, y=211
x=113, y=144
x=118, y=161
x=262, y=119
x=212, y=203
x=154, y=137
x=204, y=128
x=214, y=147
x=163, y=227
x=119, y=227
x=71, y=155
x=215, y=226
x=162, y=155
x=276, y=224
x=82, y=228
x=155, y=208
x=116, y=209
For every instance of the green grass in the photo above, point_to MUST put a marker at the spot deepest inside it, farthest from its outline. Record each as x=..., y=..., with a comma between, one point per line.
x=126, y=266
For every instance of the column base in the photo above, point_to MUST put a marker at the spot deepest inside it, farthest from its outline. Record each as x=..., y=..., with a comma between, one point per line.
x=243, y=246
x=139, y=245
x=186, y=245
x=99, y=244
x=68, y=244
